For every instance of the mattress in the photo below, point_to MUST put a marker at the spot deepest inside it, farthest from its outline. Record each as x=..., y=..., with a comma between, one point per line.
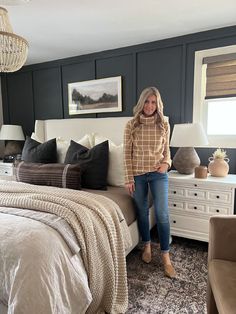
x=122, y=199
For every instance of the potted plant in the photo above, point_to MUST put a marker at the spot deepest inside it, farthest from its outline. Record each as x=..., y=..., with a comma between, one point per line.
x=218, y=166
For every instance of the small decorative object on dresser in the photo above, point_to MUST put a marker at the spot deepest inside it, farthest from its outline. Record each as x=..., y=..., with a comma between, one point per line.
x=200, y=172
x=218, y=166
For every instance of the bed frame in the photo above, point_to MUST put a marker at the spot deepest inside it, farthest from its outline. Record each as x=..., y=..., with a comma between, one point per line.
x=75, y=129
x=112, y=128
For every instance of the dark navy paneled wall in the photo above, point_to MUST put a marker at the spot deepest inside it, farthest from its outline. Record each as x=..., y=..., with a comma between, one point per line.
x=40, y=91
x=19, y=106
x=47, y=82
x=163, y=68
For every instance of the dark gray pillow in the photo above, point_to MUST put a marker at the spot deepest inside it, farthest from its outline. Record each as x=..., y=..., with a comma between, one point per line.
x=51, y=174
x=94, y=162
x=34, y=151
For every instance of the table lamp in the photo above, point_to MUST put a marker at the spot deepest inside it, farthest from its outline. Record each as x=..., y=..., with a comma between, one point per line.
x=186, y=136
x=14, y=136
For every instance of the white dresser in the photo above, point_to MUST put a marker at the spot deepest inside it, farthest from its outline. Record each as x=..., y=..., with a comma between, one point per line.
x=192, y=201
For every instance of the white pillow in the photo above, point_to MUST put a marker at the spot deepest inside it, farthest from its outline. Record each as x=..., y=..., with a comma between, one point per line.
x=115, y=175
x=62, y=145
x=34, y=137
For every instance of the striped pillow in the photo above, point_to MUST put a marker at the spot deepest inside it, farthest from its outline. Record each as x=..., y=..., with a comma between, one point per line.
x=58, y=175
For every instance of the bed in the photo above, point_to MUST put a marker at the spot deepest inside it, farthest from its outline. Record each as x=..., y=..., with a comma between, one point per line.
x=111, y=128
x=63, y=251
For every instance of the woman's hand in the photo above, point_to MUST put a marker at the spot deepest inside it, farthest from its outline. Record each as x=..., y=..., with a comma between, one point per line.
x=130, y=187
x=162, y=167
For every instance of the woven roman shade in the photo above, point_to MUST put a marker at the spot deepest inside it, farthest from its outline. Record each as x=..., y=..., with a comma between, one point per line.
x=220, y=76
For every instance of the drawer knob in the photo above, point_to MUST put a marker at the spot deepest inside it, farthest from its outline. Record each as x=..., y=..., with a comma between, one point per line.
x=195, y=184
x=217, y=210
x=217, y=196
x=195, y=194
x=174, y=221
x=174, y=192
x=195, y=207
x=174, y=205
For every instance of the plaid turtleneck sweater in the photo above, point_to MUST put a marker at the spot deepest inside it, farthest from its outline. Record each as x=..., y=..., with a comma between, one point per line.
x=146, y=148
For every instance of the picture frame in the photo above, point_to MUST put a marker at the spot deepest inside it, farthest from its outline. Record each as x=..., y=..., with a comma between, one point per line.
x=95, y=96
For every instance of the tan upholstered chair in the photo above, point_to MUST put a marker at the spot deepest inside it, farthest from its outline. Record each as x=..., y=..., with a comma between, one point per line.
x=221, y=297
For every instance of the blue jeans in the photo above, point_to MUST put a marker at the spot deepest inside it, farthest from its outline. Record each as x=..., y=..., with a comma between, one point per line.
x=158, y=183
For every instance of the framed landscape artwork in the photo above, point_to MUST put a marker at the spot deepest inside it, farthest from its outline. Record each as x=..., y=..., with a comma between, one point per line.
x=101, y=95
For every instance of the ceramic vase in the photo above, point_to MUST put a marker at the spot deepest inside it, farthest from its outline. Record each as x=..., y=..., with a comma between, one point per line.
x=218, y=167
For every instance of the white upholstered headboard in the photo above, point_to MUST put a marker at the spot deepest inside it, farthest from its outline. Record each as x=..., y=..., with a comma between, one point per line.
x=112, y=128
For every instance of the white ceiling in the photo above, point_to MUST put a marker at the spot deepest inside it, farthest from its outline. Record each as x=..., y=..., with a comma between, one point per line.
x=58, y=29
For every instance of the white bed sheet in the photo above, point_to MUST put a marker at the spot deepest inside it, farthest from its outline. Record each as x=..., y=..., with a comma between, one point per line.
x=43, y=273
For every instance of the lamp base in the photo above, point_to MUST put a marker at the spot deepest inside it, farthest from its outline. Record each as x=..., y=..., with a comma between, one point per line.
x=185, y=160
x=12, y=150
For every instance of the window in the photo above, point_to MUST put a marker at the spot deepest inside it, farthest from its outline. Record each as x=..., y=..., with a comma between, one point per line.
x=214, y=103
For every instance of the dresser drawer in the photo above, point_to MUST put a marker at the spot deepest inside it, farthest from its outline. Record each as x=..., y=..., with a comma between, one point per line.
x=195, y=207
x=196, y=194
x=176, y=191
x=6, y=171
x=189, y=223
x=172, y=204
x=219, y=210
x=219, y=196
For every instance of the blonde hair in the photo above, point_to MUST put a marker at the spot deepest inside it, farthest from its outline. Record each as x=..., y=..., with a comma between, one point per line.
x=138, y=109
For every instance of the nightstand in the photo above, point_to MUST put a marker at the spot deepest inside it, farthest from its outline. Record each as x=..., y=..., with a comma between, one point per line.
x=193, y=201
x=6, y=171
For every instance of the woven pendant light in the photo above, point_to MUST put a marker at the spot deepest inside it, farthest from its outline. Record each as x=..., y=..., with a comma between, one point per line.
x=13, y=48
x=13, y=2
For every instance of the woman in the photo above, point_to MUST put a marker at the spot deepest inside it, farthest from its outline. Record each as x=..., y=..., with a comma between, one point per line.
x=146, y=161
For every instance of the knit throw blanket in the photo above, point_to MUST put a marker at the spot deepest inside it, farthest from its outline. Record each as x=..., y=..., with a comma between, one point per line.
x=96, y=222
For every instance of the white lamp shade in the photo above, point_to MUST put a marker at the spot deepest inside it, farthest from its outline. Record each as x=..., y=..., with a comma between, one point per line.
x=188, y=135
x=12, y=133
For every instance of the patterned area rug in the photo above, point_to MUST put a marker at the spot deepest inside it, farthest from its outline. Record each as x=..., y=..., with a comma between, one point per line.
x=151, y=292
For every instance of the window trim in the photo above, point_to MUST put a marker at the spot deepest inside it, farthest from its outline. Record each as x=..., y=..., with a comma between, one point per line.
x=199, y=91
